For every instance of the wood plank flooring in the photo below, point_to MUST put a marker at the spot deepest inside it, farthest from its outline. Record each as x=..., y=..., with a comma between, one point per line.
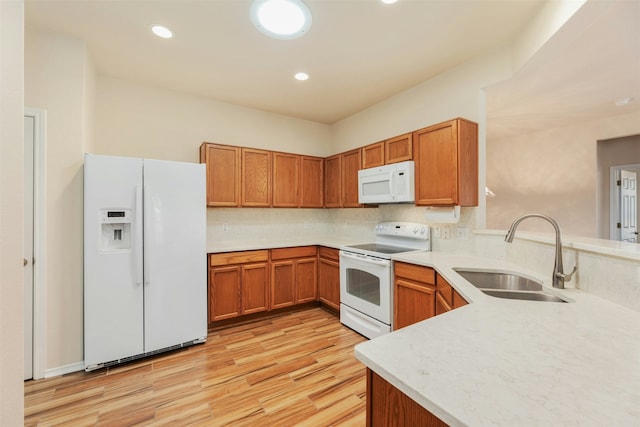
x=293, y=369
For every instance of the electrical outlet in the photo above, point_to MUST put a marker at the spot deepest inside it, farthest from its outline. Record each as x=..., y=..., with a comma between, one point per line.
x=446, y=234
x=225, y=227
x=462, y=233
x=436, y=231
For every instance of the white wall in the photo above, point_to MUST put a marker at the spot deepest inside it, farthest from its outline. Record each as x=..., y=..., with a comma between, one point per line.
x=11, y=217
x=143, y=121
x=553, y=172
x=57, y=79
x=454, y=93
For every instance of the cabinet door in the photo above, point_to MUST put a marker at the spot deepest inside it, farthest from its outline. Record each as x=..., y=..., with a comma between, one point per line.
x=329, y=278
x=256, y=178
x=333, y=181
x=413, y=302
x=312, y=182
x=224, y=292
x=436, y=155
x=458, y=301
x=399, y=149
x=442, y=305
x=283, y=281
x=306, y=279
x=255, y=288
x=351, y=163
x=388, y=406
x=373, y=155
x=286, y=178
x=446, y=157
x=223, y=174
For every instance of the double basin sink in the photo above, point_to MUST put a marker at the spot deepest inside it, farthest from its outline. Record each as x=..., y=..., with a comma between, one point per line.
x=507, y=285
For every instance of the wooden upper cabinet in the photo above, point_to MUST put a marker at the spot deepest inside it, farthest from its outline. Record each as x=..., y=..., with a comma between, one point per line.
x=446, y=157
x=351, y=163
x=398, y=149
x=312, y=182
x=286, y=179
x=256, y=177
x=333, y=181
x=223, y=174
x=373, y=155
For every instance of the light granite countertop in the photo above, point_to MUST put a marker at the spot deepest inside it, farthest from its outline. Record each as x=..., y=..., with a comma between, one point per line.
x=497, y=362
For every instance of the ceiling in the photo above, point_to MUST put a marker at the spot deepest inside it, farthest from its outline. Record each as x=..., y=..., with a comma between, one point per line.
x=360, y=52
x=357, y=53
x=591, y=62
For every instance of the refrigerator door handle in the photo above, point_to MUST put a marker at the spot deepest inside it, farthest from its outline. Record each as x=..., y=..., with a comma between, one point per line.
x=137, y=238
x=147, y=234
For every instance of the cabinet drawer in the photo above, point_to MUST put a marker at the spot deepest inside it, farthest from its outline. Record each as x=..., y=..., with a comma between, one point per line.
x=415, y=272
x=297, y=252
x=329, y=253
x=243, y=257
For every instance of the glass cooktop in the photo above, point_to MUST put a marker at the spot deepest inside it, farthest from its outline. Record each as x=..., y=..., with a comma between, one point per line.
x=382, y=249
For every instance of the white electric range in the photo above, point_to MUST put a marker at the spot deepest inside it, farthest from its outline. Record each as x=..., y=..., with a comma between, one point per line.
x=366, y=276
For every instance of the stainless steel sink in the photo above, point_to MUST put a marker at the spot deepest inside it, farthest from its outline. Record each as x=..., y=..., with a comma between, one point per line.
x=507, y=285
x=528, y=296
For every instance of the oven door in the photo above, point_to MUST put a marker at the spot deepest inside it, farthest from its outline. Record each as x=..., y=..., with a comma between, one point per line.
x=365, y=285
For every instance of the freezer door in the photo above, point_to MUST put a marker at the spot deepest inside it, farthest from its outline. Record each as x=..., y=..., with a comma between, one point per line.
x=113, y=289
x=175, y=282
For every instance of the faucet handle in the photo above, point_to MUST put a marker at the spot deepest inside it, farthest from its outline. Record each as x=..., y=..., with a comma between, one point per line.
x=566, y=277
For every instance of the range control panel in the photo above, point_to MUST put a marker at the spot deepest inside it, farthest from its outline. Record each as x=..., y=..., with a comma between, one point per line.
x=403, y=229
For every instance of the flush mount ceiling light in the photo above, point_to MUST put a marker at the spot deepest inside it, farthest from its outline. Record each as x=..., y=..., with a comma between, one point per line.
x=281, y=19
x=388, y=1
x=301, y=76
x=161, y=31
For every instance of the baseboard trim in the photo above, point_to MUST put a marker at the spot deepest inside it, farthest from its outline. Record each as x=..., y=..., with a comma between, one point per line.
x=66, y=369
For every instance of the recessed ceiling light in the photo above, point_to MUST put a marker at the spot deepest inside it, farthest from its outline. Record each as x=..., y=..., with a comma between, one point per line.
x=301, y=76
x=161, y=31
x=388, y=1
x=622, y=101
x=281, y=19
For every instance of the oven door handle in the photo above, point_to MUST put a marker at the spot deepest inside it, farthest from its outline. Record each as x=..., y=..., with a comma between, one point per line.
x=365, y=259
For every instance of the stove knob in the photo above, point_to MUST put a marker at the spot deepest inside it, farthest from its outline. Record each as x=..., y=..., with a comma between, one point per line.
x=423, y=230
x=415, y=230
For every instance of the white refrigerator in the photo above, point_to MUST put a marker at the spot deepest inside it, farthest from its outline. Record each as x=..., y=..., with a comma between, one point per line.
x=145, y=271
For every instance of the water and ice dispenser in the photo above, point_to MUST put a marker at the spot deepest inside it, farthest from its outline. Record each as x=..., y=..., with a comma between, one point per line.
x=116, y=230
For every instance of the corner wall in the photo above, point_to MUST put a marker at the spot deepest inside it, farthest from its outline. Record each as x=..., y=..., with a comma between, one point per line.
x=554, y=172
x=58, y=79
x=11, y=215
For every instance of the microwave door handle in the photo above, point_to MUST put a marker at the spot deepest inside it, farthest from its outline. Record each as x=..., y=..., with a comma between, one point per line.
x=369, y=260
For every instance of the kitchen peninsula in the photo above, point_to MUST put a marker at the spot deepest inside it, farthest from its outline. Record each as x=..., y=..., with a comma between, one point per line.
x=508, y=362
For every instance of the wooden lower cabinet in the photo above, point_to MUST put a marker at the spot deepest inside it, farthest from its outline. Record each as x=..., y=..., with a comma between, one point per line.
x=238, y=284
x=329, y=277
x=420, y=293
x=294, y=276
x=389, y=407
x=447, y=298
x=414, y=294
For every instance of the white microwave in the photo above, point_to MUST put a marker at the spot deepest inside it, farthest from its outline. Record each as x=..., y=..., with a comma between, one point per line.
x=392, y=183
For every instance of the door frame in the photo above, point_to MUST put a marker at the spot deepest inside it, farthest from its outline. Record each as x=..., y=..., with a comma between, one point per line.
x=39, y=166
x=614, y=200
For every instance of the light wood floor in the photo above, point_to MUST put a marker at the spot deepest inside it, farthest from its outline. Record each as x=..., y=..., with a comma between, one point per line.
x=294, y=369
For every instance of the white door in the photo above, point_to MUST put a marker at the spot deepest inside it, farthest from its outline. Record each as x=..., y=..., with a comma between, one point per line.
x=113, y=288
x=628, y=206
x=175, y=228
x=29, y=138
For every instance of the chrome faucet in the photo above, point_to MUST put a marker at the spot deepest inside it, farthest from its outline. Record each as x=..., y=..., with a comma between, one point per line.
x=559, y=277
